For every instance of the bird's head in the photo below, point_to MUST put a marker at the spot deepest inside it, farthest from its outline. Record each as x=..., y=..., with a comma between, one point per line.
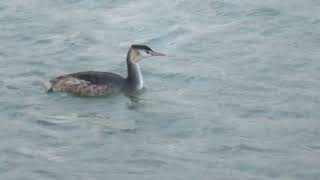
x=138, y=52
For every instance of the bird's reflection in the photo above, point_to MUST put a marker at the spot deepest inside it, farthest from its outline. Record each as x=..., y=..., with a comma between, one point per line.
x=137, y=100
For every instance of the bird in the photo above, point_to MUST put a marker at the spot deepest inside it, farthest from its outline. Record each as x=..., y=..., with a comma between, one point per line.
x=96, y=83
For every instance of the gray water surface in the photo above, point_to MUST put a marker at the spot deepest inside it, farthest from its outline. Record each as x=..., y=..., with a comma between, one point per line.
x=237, y=97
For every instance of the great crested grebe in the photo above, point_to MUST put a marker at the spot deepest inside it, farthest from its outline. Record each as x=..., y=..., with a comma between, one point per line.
x=94, y=83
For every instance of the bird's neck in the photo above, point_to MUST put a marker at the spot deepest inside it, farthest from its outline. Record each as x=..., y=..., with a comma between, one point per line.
x=134, y=78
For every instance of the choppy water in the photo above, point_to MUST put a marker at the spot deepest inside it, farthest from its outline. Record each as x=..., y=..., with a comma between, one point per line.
x=237, y=97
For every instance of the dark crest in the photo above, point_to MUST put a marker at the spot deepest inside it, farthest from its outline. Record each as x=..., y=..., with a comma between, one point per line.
x=141, y=47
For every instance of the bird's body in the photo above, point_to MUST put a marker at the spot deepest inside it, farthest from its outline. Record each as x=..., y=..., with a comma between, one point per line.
x=88, y=83
x=94, y=83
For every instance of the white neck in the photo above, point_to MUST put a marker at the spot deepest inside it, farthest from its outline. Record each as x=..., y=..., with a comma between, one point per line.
x=139, y=84
x=134, y=78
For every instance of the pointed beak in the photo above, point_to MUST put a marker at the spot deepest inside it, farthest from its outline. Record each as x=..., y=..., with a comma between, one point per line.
x=153, y=53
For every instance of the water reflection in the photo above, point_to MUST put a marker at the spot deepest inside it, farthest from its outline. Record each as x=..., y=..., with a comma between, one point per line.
x=137, y=100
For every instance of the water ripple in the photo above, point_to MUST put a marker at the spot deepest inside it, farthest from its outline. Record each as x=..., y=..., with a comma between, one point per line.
x=236, y=97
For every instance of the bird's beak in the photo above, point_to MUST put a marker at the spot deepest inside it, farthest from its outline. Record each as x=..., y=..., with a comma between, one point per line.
x=153, y=53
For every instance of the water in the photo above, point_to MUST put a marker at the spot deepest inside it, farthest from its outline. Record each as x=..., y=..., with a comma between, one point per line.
x=237, y=97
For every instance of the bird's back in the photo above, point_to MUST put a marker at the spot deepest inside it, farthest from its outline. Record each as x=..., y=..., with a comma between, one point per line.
x=88, y=83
